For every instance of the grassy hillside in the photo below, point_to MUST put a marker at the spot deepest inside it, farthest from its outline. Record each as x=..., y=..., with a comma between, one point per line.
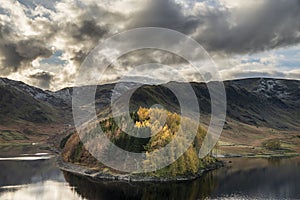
x=258, y=109
x=16, y=105
x=264, y=102
x=26, y=119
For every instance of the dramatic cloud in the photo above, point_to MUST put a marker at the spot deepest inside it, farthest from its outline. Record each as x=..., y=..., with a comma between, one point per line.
x=42, y=79
x=32, y=30
x=277, y=63
x=266, y=25
x=18, y=53
x=166, y=14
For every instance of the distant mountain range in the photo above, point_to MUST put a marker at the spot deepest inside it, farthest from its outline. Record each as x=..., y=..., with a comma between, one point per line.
x=257, y=102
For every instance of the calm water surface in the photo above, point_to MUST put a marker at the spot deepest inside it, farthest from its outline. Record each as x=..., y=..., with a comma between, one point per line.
x=34, y=175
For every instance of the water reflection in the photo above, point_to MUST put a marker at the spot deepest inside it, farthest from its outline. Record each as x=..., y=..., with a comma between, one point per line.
x=259, y=178
x=276, y=161
x=52, y=190
x=242, y=179
x=27, y=158
x=123, y=190
x=26, y=172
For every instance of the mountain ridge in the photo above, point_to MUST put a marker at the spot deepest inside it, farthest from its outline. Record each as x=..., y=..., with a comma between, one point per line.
x=260, y=102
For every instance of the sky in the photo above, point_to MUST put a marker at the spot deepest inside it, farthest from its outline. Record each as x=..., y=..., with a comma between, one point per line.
x=43, y=43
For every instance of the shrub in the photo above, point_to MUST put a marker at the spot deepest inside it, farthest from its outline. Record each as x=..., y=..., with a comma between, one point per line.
x=273, y=144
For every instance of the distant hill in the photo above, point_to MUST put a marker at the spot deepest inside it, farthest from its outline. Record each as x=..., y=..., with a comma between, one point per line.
x=257, y=102
x=28, y=113
x=265, y=102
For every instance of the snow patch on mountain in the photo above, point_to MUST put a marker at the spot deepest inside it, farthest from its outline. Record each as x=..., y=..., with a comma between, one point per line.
x=45, y=96
x=272, y=88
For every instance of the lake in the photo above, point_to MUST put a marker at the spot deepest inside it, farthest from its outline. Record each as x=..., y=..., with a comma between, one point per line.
x=34, y=175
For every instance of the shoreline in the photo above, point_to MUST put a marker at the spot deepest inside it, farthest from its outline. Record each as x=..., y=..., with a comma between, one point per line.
x=96, y=175
x=102, y=176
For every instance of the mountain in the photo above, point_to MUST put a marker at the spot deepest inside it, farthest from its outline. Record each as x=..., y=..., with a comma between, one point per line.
x=30, y=114
x=260, y=102
x=265, y=102
x=252, y=105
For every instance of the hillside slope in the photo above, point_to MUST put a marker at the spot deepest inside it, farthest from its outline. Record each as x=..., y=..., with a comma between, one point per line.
x=253, y=105
x=29, y=114
x=260, y=102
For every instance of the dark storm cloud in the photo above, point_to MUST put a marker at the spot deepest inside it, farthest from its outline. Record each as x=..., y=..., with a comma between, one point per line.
x=92, y=24
x=144, y=56
x=166, y=14
x=269, y=25
x=18, y=53
x=86, y=30
x=79, y=56
x=42, y=79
